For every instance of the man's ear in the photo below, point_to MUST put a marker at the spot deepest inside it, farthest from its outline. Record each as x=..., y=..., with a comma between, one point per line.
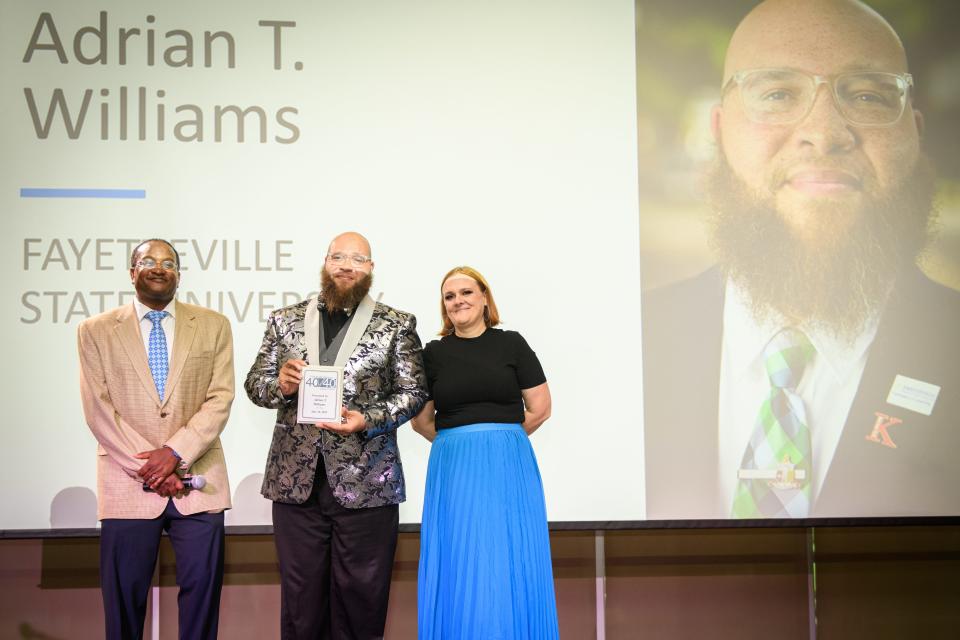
x=716, y=113
x=918, y=121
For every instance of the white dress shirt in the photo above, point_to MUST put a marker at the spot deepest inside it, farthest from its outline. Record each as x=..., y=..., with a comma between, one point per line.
x=168, y=324
x=828, y=387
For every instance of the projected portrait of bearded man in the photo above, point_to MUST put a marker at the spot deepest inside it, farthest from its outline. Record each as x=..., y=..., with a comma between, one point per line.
x=809, y=372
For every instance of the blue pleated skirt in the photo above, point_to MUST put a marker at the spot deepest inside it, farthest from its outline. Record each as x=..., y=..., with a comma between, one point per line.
x=485, y=571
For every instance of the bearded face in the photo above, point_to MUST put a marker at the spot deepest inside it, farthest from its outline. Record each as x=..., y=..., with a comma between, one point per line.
x=837, y=277
x=344, y=294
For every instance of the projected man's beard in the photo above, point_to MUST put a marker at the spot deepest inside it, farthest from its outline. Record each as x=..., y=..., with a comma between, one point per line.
x=836, y=282
x=348, y=298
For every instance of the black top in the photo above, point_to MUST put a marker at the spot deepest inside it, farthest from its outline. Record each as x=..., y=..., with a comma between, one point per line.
x=479, y=379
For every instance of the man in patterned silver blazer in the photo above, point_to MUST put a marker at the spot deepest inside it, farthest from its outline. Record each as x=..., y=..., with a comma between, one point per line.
x=336, y=487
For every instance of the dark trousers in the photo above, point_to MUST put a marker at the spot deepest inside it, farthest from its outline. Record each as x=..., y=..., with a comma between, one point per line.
x=335, y=566
x=128, y=554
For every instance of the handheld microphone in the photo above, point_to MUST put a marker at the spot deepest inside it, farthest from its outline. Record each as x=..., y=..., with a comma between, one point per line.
x=189, y=483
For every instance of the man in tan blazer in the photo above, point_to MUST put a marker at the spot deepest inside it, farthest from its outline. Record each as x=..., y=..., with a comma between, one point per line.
x=156, y=379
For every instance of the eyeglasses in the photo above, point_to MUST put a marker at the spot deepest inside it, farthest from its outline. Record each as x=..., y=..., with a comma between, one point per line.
x=355, y=259
x=150, y=263
x=785, y=96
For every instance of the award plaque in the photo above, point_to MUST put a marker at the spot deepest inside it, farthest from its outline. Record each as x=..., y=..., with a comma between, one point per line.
x=321, y=394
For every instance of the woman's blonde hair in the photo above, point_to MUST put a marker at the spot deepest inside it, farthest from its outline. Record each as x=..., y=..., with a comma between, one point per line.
x=491, y=317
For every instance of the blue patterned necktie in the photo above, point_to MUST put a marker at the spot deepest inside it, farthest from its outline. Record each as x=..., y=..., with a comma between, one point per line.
x=774, y=476
x=157, y=351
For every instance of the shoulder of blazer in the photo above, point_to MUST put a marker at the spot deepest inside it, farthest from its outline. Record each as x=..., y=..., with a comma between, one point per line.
x=108, y=318
x=291, y=312
x=689, y=307
x=703, y=288
x=919, y=321
x=915, y=292
x=388, y=313
x=188, y=310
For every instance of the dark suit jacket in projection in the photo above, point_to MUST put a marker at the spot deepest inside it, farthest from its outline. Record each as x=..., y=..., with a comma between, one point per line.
x=383, y=379
x=918, y=337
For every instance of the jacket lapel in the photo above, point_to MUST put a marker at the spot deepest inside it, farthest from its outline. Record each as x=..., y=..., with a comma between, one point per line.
x=183, y=335
x=128, y=333
x=358, y=326
x=866, y=477
x=311, y=328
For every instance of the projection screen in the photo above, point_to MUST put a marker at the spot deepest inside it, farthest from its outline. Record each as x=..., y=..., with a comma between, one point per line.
x=508, y=136
x=496, y=135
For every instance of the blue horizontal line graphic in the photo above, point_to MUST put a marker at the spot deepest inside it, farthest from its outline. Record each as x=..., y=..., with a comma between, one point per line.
x=83, y=193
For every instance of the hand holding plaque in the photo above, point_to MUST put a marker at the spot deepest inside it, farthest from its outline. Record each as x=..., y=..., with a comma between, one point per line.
x=320, y=397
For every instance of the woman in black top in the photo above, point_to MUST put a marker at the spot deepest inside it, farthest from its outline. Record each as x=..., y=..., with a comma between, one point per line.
x=484, y=545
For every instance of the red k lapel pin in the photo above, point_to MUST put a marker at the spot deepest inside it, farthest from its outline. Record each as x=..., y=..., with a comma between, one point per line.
x=907, y=393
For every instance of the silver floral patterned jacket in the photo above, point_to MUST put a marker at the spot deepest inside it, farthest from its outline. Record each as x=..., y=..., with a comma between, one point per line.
x=383, y=379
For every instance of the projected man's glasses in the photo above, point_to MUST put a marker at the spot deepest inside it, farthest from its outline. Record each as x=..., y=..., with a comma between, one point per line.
x=785, y=96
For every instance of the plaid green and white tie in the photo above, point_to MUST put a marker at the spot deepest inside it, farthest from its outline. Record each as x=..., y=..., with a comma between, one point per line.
x=774, y=476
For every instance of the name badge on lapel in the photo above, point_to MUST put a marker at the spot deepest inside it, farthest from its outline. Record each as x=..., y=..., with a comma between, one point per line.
x=912, y=394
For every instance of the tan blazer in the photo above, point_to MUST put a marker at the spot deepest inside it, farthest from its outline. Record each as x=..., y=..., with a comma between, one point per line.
x=126, y=415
